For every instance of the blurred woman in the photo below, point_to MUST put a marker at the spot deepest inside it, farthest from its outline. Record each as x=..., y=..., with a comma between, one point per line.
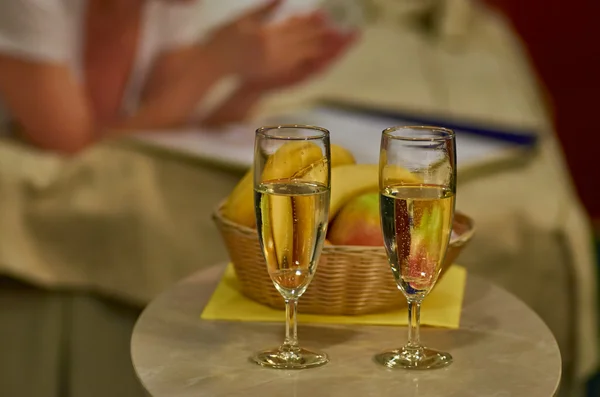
x=73, y=72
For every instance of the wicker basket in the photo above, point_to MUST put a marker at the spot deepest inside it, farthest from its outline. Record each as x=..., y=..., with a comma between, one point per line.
x=368, y=288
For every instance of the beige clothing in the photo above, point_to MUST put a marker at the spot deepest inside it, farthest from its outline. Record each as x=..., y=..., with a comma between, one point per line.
x=111, y=220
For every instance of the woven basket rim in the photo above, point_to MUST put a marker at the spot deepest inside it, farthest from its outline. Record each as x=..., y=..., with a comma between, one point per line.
x=462, y=239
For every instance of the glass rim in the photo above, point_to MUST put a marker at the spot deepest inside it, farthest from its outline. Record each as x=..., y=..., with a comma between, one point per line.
x=444, y=133
x=320, y=132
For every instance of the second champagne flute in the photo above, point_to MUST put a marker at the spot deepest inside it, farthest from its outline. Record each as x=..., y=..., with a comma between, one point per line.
x=292, y=190
x=416, y=218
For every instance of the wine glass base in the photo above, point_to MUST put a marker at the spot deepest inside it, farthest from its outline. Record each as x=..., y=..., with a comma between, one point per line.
x=297, y=359
x=411, y=358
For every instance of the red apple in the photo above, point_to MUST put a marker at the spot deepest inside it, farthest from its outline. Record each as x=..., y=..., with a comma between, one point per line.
x=358, y=223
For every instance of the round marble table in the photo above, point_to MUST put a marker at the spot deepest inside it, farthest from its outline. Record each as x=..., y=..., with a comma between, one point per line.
x=502, y=349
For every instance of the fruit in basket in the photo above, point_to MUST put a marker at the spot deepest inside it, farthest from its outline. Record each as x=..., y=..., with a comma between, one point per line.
x=340, y=156
x=358, y=222
x=236, y=208
x=291, y=159
x=296, y=157
x=350, y=181
x=284, y=163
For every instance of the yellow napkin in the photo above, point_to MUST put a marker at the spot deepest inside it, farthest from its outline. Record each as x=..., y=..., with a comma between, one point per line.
x=441, y=308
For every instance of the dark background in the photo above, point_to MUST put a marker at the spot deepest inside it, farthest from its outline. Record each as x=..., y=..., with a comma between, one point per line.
x=563, y=41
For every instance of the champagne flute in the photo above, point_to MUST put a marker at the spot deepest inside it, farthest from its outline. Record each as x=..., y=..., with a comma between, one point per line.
x=291, y=196
x=417, y=182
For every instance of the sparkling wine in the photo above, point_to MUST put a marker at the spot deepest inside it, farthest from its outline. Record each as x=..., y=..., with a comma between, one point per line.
x=417, y=224
x=292, y=223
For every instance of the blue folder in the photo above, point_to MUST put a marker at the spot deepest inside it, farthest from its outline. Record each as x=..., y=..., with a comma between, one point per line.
x=520, y=137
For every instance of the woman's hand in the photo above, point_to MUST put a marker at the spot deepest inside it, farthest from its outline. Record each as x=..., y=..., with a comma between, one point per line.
x=335, y=45
x=239, y=105
x=273, y=54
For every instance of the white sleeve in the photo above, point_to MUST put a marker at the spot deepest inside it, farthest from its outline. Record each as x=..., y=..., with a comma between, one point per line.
x=34, y=29
x=183, y=25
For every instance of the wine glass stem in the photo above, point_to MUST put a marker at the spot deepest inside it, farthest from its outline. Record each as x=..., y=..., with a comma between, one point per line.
x=414, y=322
x=291, y=330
